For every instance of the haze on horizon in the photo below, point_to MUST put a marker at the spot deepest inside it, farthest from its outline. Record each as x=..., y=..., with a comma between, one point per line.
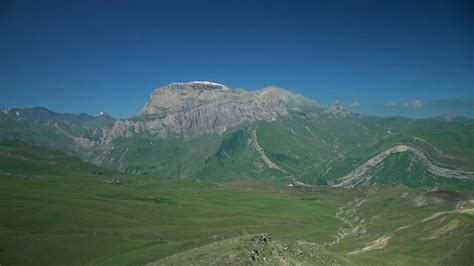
x=391, y=58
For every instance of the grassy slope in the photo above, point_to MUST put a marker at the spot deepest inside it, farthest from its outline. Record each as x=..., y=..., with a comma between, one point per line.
x=317, y=149
x=172, y=157
x=397, y=213
x=400, y=213
x=82, y=218
x=311, y=147
x=18, y=158
x=55, y=204
x=53, y=134
x=85, y=220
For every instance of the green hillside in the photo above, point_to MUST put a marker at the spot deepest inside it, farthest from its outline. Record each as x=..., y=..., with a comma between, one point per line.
x=20, y=159
x=316, y=151
x=85, y=215
x=350, y=190
x=309, y=146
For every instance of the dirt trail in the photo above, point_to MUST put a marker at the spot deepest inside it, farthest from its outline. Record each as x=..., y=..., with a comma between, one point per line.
x=359, y=175
x=376, y=244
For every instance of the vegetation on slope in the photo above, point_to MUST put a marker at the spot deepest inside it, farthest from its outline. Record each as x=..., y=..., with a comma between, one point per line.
x=85, y=218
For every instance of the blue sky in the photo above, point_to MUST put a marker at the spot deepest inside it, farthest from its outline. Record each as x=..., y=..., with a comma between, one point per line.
x=413, y=58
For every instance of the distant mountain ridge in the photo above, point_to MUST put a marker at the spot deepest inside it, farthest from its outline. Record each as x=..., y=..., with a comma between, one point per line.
x=450, y=118
x=204, y=130
x=44, y=114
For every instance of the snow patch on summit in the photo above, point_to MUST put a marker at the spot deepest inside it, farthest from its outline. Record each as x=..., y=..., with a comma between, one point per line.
x=207, y=83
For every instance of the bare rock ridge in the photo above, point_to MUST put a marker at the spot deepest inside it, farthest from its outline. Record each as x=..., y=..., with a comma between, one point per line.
x=199, y=107
x=338, y=110
x=360, y=175
x=181, y=96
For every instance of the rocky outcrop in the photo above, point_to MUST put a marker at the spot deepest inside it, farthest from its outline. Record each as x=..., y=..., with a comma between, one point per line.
x=192, y=108
x=262, y=154
x=337, y=110
x=360, y=175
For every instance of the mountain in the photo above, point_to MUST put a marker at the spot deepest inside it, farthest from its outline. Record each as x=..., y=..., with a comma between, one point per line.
x=213, y=175
x=196, y=108
x=450, y=118
x=44, y=114
x=338, y=110
x=207, y=130
x=76, y=134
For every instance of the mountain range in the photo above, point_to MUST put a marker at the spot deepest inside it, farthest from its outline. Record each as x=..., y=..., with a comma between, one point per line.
x=210, y=175
x=206, y=130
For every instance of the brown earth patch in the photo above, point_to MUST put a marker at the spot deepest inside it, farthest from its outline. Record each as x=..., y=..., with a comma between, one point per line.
x=445, y=196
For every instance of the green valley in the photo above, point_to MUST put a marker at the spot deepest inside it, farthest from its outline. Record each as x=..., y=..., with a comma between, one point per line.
x=84, y=215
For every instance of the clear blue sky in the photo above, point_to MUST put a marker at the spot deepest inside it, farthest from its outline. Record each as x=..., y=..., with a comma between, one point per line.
x=91, y=56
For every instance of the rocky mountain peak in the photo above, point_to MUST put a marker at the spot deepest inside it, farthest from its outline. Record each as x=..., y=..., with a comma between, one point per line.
x=272, y=90
x=184, y=96
x=47, y=116
x=191, y=108
x=338, y=110
x=197, y=85
x=277, y=96
x=32, y=112
x=449, y=117
x=101, y=118
x=179, y=96
x=104, y=116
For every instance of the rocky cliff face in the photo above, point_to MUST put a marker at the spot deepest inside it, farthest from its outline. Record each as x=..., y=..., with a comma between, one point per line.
x=192, y=108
